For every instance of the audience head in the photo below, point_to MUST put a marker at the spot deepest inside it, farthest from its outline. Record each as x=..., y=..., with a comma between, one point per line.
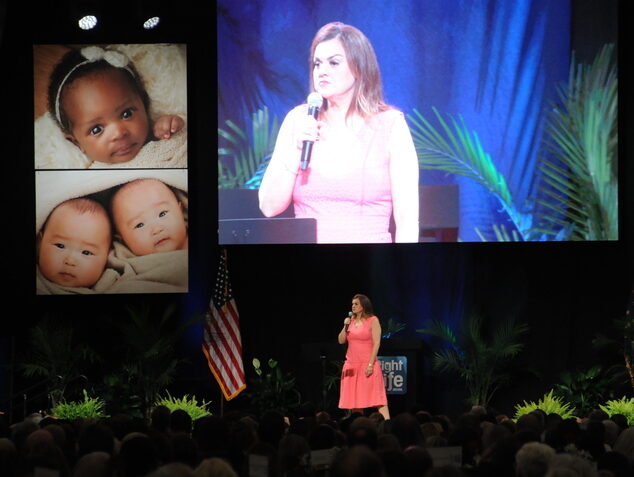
x=357, y=461
x=564, y=465
x=407, y=430
x=625, y=444
x=180, y=421
x=138, y=455
x=417, y=460
x=94, y=464
x=532, y=459
x=160, y=418
x=214, y=467
x=363, y=432
x=95, y=437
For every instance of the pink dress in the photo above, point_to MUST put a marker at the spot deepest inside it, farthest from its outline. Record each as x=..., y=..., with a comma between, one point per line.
x=347, y=187
x=359, y=391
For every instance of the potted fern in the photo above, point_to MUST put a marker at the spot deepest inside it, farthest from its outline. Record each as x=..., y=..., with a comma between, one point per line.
x=549, y=403
x=89, y=407
x=481, y=361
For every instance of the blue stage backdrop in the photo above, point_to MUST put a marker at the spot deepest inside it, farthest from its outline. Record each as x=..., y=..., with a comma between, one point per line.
x=495, y=63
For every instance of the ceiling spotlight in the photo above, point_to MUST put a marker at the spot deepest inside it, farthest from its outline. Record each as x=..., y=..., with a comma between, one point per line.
x=87, y=22
x=86, y=13
x=151, y=23
x=151, y=13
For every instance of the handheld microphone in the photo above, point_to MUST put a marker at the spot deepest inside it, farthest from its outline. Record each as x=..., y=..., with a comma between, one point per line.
x=348, y=324
x=314, y=103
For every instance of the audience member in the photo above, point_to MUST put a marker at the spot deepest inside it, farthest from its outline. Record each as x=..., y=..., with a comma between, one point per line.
x=532, y=459
x=121, y=446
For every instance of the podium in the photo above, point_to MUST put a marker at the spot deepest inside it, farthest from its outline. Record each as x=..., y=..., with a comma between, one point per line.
x=240, y=221
x=316, y=359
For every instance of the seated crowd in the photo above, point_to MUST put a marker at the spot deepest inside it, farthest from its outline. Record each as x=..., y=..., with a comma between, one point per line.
x=311, y=443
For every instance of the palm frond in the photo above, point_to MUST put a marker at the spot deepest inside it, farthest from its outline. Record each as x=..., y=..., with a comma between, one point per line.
x=244, y=155
x=457, y=150
x=481, y=359
x=581, y=170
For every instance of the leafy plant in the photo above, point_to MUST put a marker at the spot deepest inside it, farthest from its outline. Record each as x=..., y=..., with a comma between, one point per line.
x=149, y=360
x=191, y=405
x=622, y=344
x=88, y=408
x=243, y=161
x=623, y=406
x=272, y=389
x=392, y=327
x=55, y=356
x=457, y=150
x=333, y=378
x=587, y=389
x=481, y=361
x=582, y=175
x=549, y=403
x=580, y=189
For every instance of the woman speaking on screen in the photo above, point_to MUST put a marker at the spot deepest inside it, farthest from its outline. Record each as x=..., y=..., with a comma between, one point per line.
x=363, y=167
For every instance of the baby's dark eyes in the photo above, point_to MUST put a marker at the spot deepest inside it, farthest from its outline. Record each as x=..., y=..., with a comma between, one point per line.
x=96, y=130
x=86, y=252
x=163, y=213
x=128, y=113
x=59, y=245
x=139, y=225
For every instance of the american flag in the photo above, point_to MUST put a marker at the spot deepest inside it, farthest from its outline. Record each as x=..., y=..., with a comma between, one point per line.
x=222, y=343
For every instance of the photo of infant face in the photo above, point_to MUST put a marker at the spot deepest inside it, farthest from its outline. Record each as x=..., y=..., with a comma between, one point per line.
x=149, y=218
x=111, y=232
x=108, y=119
x=110, y=106
x=75, y=243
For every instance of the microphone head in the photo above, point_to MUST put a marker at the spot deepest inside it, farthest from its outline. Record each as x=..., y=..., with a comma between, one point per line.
x=350, y=314
x=315, y=100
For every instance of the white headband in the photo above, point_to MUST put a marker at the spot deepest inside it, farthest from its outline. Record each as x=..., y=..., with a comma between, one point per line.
x=92, y=54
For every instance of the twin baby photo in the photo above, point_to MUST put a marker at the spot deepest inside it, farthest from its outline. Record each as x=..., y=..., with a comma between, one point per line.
x=121, y=109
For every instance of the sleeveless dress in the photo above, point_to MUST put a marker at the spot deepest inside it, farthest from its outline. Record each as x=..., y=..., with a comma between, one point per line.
x=357, y=390
x=347, y=187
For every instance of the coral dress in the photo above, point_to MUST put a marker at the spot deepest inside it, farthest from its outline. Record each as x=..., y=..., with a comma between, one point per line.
x=347, y=186
x=359, y=391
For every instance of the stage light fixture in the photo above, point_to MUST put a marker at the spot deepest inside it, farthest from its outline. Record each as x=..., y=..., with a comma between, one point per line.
x=151, y=13
x=87, y=22
x=151, y=23
x=86, y=13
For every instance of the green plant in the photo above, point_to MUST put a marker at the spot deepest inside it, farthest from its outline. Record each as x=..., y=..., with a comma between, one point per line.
x=582, y=174
x=549, y=403
x=273, y=389
x=623, y=406
x=191, y=405
x=333, y=378
x=54, y=355
x=621, y=343
x=483, y=362
x=579, y=193
x=586, y=389
x=149, y=360
x=88, y=408
x=246, y=157
x=391, y=327
x=457, y=150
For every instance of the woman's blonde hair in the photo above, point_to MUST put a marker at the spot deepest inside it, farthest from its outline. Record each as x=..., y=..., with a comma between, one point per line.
x=367, y=97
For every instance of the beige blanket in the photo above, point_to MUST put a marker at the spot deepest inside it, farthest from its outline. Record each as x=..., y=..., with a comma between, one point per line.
x=127, y=273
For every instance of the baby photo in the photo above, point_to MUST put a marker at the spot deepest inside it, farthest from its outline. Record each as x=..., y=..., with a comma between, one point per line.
x=110, y=106
x=111, y=232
